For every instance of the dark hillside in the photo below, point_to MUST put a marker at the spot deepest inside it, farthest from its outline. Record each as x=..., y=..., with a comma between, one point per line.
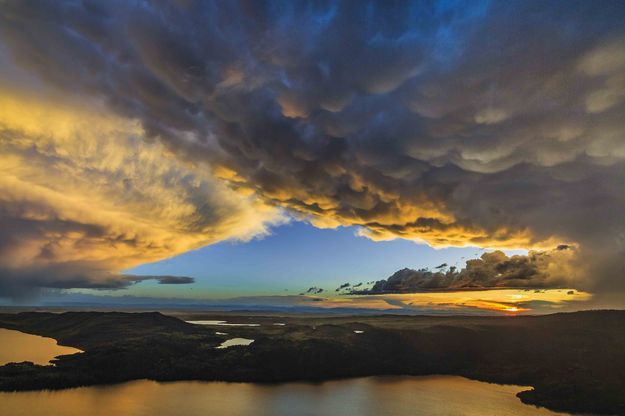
x=575, y=362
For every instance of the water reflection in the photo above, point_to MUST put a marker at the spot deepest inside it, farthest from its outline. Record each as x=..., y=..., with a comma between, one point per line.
x=17, y=346
x=376, y=396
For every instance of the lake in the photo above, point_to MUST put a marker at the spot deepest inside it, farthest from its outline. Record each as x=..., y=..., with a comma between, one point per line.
x=234, y=342
x=17, y=346
x=374, y=396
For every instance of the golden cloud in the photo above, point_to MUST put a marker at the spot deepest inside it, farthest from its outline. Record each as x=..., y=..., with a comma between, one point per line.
x=83, y=190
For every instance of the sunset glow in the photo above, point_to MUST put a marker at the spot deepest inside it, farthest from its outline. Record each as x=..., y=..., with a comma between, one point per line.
x=218, y=207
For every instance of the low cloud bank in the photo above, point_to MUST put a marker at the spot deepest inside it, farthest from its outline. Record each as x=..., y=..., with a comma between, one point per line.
x=493, y=270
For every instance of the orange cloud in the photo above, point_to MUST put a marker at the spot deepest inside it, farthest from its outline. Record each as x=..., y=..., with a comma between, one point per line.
x=84, y=195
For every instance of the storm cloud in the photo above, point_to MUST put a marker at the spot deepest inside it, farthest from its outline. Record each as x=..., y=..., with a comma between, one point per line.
x=492, y=124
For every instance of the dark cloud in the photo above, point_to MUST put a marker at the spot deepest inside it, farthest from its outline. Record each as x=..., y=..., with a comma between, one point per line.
x=28, y=283
x=162, y=280
x=495, y=124
x=314, y=290
x=493, y=270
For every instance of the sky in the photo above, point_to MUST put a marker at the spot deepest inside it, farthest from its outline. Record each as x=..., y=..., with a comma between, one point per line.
x=204, y=150
x=293, y=258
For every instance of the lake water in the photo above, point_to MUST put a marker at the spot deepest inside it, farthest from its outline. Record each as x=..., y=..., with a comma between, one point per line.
x=235, y=341
x=17, y=346
x=374, y=396
x=218, y=323
x=371, y=396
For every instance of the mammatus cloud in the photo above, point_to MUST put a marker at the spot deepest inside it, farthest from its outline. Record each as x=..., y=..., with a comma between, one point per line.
x=494, y=124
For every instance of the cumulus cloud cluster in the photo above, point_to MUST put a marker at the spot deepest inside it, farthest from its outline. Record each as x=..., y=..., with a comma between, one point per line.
x=493, y=270
x=493, y=124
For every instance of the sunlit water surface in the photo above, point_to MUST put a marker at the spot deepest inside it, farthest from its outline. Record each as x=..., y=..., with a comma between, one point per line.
x=17, y=346
x=234, y=342
x=219, y=323
x=375, y=396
